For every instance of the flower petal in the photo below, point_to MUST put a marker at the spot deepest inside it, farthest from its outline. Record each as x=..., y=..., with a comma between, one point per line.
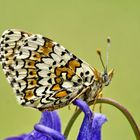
x=97, y=123
x=55, y=135
x=92, y=123
x=50, y=122
x=51, y=119
x=49, y=127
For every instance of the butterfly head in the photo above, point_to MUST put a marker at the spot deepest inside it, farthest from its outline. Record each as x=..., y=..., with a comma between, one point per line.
x=107, y=77
x=103, y=78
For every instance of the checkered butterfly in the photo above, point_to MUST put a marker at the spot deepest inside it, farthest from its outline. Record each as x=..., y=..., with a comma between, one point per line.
x=45, y=75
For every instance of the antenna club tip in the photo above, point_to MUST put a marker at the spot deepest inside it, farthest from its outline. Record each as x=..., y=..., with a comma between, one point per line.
x=108, y=40
x=98, y=52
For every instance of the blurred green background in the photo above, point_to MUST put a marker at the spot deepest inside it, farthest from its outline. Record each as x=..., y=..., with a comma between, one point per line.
x=81, y=27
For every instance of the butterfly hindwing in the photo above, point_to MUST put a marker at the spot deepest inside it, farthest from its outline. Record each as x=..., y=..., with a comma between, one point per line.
x=43, y=73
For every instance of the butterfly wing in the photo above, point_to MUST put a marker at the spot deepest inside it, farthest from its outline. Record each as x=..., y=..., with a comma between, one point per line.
x=43, y=73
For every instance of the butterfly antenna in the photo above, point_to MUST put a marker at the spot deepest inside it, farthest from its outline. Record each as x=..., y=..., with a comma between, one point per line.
x=108, y=46
x=100, y=56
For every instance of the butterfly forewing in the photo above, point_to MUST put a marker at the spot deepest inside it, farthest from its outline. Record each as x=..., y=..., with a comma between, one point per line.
x=43, y=73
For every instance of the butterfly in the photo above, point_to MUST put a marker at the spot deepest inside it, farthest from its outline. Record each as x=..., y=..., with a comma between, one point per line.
x=44, y=75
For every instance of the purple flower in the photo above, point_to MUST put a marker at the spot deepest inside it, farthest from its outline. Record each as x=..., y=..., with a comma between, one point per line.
x=49, y=127
x=92, y=123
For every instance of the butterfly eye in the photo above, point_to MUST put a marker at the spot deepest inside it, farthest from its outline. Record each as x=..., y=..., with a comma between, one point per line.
x=106, y=79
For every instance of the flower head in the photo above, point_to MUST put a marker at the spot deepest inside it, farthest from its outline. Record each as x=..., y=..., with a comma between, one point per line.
x=49, y=126
x=92, y=123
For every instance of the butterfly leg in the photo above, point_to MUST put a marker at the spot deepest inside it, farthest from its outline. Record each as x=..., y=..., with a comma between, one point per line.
x=98, y=95
x=100, y=106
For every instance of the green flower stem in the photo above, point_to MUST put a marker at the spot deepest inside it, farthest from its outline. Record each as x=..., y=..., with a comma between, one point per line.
x=110, y=102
